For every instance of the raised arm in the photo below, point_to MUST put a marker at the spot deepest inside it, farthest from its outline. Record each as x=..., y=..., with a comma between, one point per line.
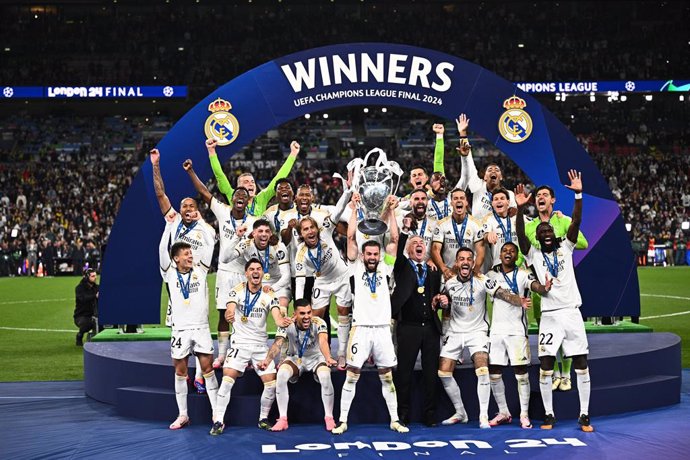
x=198, y=185
x=341, y=205
x=576, y=186
x=439, y=152
x=223, y=182
x=392, y=246
x=263, y=197
x=479, y=254
x=164, y=249
x=352, y=249
x=521, y=199
x=163, y=200
x=469, y=177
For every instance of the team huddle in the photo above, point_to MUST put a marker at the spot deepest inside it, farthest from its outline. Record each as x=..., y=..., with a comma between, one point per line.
x=438, y=254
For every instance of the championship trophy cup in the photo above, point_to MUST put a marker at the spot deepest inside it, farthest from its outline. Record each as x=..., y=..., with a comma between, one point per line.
x=374, y=184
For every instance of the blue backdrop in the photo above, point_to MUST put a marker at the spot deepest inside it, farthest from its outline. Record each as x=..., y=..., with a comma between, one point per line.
x=367, y=74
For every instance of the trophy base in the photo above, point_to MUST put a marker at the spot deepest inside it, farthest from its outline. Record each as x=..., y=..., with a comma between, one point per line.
x=372, y=227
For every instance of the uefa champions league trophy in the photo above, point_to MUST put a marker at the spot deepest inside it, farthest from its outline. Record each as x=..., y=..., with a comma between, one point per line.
x=374, y=184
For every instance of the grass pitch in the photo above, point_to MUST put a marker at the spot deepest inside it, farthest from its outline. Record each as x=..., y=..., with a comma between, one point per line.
x=37, y=334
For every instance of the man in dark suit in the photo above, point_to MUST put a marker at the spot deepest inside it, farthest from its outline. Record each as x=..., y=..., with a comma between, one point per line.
x=413, y=303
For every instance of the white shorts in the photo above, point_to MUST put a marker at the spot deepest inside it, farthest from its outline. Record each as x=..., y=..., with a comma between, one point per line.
x=308, y=363
x=453, y=343
x=376, y=341
x=190, y=341
x=321, y=294
x=562, y=328
x=240, y=355
x=225, y=281
x=509, y=348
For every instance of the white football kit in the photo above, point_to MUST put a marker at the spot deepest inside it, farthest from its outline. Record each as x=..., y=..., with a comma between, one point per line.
x=303, y=346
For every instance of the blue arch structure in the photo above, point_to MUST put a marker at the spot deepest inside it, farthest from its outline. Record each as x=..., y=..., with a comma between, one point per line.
x=368, y=74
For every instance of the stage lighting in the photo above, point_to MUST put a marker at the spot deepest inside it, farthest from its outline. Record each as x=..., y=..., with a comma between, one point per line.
x=685, y=225
x=648, y=97
x=628, y=227
x=592, y=98
x=681, y=98
x=307, y=116
x=521, y=45
x=558, y=97
x=325, y=115
x=624, y=98
x=384, y=110
x=366, y=110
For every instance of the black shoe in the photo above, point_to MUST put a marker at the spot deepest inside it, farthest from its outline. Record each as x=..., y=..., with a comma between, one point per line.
x=404, y=417
x=585, y=424
x=430, y=422
x=80, y=342
x=549, y=422
x=264, y=424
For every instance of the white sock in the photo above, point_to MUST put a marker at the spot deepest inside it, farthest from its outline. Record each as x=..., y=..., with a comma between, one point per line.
x=347, y=394
x=267, y=398
x=584, y=387
x=282, y=395
x=524, y=392
x=327, y=394
x=344, y=322
x=181, y=393
x=211, y=389
x=223, y=398
x=388, y=391
x=452, y=390
x=223, y=340
x=197, y=373
x=483, y=390
x=498, y=389
x=545, y=387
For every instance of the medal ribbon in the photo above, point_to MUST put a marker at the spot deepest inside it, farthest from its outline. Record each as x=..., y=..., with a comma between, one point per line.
x=462, y=230
x=265, y=262
x=440, y=214
x=553, y=268
x=187, y=229
x=422, y=279
x=232, y=220
x=507, y=234
x=423, y=229
x=250, y=210
x=513, y=286
x=317, y=261
x=249, y=306
x=184, y=287
x=371, y=281
x=305, y=340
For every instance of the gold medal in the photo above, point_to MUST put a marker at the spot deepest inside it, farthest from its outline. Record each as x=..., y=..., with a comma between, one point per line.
x=244, y=319
x=373, y=295
x=317, y=274
x=186, y=301
x=267, y=276
x=366, y=237
x=299, y=361
x=420, y=289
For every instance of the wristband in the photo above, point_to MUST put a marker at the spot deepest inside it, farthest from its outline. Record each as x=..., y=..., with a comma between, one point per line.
x=578, y=196
x=439, y=136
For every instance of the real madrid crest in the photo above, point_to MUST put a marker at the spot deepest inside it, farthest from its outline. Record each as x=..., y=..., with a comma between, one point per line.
x=515, y=125
x=221, y=125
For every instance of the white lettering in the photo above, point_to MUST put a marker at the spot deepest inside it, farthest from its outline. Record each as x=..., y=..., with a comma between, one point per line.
x=304, y=76
x=420, y=69
x=394, y=69
x=426, y=454
x=368, y=67
x=445, y=78
x=325, y=73
x=346, y=445
x=340, y=68
x=430, y=444
x=465, y=444
x=390, y=445
x=272, y=449
x=315, y=446
x=521, y=443
x=571, y=441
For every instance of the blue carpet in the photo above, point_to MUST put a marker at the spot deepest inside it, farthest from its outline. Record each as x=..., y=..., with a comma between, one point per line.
x=55, y=420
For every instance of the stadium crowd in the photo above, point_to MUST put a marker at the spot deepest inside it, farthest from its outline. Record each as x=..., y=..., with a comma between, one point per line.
x=98, y=43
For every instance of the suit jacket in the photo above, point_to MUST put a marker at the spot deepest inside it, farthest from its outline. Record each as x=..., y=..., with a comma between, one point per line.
x=406, y=284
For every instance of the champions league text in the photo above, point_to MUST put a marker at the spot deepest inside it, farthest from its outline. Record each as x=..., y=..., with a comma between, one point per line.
x=393, y=69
